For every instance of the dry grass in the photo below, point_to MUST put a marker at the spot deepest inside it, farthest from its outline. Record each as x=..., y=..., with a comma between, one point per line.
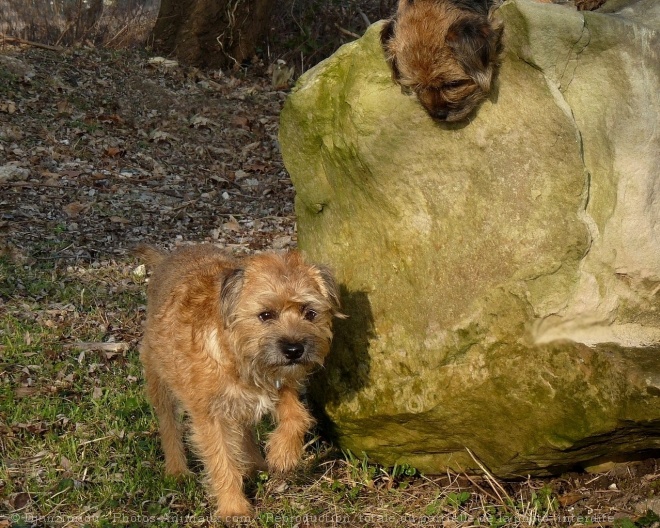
x=303, y=32
x=120, y=24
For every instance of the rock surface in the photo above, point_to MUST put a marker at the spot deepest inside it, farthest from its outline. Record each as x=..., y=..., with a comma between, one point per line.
x=502, y=275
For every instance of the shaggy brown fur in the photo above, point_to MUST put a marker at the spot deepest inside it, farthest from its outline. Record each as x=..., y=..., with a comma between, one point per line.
x=228, y=341
x=446, y=51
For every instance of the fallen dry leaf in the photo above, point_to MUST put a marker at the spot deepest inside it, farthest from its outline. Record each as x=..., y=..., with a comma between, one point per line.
x=241, y=121
x=113, y=152
x=65, y=463
x=64, y=109
x=20, y=500
x=74, y=209
x=25, y=392
x=256, y=167
x=114, y=118
x=571, y=498
x=231, y=225
x=281, y=242
x=70, y=173
x=8, y=107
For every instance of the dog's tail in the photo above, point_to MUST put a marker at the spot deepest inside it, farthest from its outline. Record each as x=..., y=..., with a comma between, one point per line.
x=151, y=255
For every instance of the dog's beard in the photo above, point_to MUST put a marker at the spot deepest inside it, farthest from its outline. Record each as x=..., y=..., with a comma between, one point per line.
x=267, y=365
x=272, y=357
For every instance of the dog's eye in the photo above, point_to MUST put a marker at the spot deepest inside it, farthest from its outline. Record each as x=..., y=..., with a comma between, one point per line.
x=455, y=84
x=267, y=316
x=310, y=315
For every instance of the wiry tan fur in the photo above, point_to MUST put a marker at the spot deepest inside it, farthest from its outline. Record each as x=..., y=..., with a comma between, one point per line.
x=219, y=340
x=445, y=51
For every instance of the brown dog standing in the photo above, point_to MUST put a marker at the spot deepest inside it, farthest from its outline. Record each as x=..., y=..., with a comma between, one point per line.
x=228, y=341
x=446, y=51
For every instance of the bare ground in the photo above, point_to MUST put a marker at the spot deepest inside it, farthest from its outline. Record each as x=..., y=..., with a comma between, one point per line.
x=108, y=151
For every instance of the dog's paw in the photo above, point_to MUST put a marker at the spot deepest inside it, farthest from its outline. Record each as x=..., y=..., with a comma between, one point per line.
x=177, y=469
x=282, y=456
x=282, y=464
x=236, y=514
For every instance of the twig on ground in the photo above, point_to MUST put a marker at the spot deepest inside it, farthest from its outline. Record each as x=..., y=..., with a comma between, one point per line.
x=491, y=479
x=347, y=32
x=364, y=17
x=16, y=40
x=30, y=184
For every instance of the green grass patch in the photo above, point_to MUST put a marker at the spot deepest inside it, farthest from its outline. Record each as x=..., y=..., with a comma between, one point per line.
x=79, y=444
x=79, y=438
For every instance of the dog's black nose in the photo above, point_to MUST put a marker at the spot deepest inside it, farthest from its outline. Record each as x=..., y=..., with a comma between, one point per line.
x=293, y=351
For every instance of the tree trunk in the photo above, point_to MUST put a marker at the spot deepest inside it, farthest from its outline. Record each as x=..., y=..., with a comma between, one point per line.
x=211, y=33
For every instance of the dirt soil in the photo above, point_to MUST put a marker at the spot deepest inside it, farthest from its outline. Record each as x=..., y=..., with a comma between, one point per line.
x=102, y=150
x=99, y=151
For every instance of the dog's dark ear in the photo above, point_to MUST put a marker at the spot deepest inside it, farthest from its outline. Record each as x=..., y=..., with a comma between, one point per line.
x=386, y=35
x=329, y=289
x=230, y=293
x=476, y=44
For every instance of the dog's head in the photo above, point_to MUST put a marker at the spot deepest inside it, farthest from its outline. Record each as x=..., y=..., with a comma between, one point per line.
x=279, y=310
x=444, y=52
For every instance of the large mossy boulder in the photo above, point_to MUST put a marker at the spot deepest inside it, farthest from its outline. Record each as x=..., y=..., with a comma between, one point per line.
x=501, y=275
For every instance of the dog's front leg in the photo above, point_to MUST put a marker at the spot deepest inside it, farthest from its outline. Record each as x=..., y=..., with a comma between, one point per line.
x=285, y=445
x=219, y=443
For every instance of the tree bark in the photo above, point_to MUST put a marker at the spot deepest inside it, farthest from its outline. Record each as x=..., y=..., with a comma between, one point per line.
x=211, y=33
